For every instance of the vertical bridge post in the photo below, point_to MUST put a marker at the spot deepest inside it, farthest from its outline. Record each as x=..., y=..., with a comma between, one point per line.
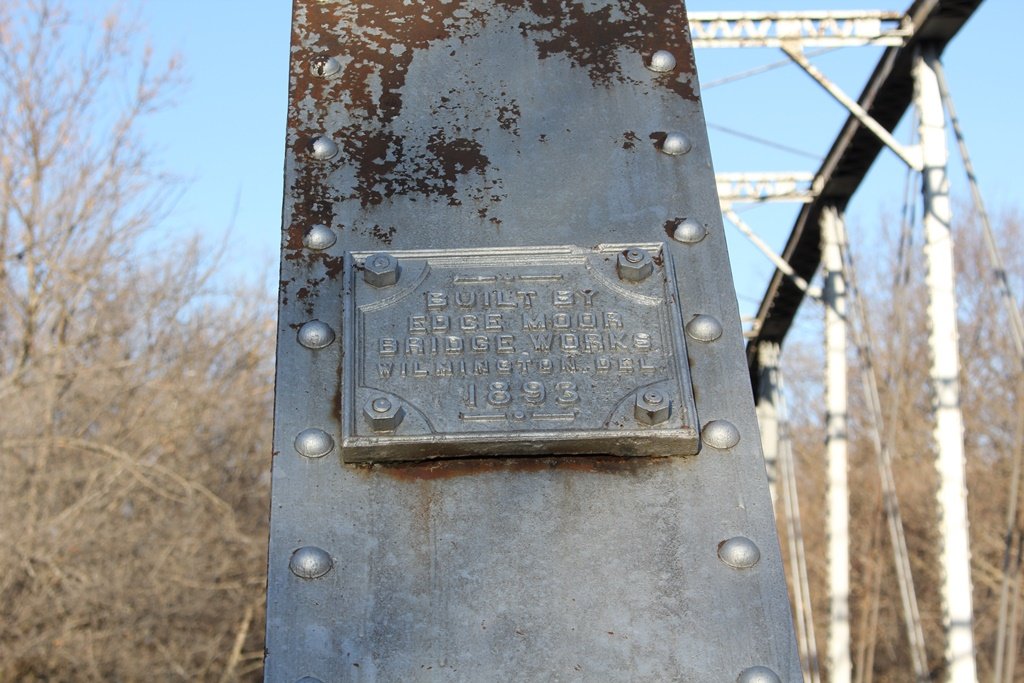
x=957, y=600
x=514, y=435
x=839, y=662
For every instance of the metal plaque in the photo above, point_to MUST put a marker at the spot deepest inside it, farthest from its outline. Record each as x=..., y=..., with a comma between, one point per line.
x=525, y=351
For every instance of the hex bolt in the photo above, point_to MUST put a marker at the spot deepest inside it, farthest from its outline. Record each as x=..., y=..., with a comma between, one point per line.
x=380, y=270
x=652, y=407
x=383, y=415
x=634, y=265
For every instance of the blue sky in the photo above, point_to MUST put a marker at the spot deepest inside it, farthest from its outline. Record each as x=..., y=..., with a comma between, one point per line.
x=226, y=136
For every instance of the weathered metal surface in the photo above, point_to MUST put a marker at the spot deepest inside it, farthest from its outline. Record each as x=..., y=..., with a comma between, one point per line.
x=532, y=350
x=534, y=127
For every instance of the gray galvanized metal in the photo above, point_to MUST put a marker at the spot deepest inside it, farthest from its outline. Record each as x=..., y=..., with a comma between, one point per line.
x=444, y=135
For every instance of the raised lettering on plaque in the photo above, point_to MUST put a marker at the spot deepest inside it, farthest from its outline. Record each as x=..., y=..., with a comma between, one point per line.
x=516, y=351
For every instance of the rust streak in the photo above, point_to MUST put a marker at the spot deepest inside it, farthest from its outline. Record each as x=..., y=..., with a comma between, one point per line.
x=468, y=467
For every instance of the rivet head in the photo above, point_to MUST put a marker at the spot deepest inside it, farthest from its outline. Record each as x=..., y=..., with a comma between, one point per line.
x=316, y=335
x=652, y=407
x=309, y=679
x=739, y=552
x=323, y=148
x=319, y=237
x=383, y=415
x=758, y=674
x=720, y=434
x=380, y=270
x=704, y=328
x=688, y=231
x=324, y=66
x=310, y=562
x=634, y=264
x=314, y=443
x=676, y=144
x=662, y=61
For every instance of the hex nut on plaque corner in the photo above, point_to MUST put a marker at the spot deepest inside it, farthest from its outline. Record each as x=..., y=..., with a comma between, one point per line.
x=380, y=270
x=310, y=562
x=634, y=264
x=383, y=414
x=739, y=552
x=758, y=674
x=652, y=407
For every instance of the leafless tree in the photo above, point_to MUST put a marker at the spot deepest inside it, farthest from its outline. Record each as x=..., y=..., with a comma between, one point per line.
x=135, y=385
x=993, y=386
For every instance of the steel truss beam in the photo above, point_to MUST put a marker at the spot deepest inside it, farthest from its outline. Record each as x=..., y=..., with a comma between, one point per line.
x=765, y=187
x=886, y=97
x=816, y=28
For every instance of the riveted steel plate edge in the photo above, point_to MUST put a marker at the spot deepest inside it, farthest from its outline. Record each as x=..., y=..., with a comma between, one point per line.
x=568, y=568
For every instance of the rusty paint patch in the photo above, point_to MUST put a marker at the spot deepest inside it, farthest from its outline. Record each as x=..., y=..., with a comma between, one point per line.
x=508, y=117
x=658, y=138
x=383, y=234
x=629, y=140
x=378, y=41
x=594, y=40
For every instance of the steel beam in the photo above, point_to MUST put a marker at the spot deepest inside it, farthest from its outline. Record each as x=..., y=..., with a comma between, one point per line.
x=741, y=225
x=768, y=416
x=910, y=157
x=761, y=187
x=505, y=281
x=815, y=28
x=957, y=601
x=885, y=98
x=840, y=664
